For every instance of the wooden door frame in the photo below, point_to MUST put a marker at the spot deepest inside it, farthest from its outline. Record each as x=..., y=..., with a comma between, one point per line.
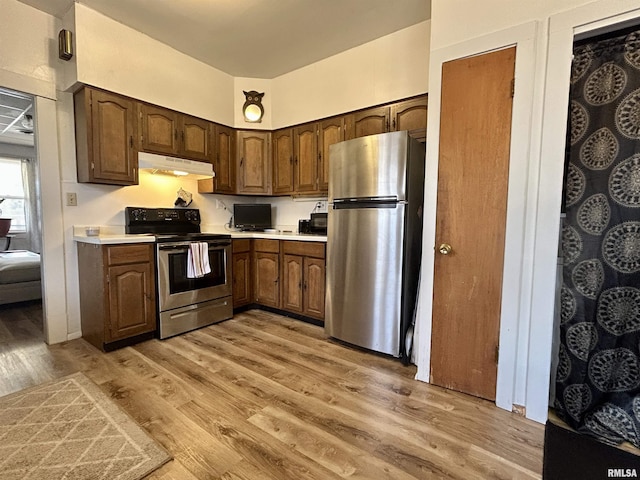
x=564, y=27
x=514, y=321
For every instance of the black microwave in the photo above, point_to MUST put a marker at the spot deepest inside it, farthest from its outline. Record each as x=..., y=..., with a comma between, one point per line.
x=316, y=226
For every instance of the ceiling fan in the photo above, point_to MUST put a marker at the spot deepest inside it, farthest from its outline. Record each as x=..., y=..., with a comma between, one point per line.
x=27, y=125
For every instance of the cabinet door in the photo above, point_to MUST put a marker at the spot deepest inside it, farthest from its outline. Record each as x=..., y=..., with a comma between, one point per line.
x=410, y=115
x=283, y=161
x=305, y=159
x=224, y=164
x=113, y=156
x=254, y=162
x=159, y=129
x=267, y=279
x=371, y=122
x=131, y=301
x=195, y=139
x=330, y=131
x=241, y=279
x=314, y=287
x=292, y=283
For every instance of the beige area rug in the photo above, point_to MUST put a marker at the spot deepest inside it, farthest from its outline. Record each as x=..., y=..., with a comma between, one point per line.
x=69, y=429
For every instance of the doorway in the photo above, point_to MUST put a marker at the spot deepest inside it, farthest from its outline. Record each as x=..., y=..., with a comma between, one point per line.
x=21, y=323
x=473, y=175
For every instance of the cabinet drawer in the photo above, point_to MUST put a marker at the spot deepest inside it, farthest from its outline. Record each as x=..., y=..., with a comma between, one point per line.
x=307, y=249
x=123, y=254
x=242, y=245
x=265, y=245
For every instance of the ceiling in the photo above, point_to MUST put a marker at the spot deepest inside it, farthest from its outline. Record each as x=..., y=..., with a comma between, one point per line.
x=257, y=38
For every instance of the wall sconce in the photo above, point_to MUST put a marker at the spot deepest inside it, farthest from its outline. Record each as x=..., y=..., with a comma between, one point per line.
x=65, y=45
x=252, y=108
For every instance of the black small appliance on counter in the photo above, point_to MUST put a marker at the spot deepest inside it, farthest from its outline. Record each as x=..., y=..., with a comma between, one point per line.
x=316, y=226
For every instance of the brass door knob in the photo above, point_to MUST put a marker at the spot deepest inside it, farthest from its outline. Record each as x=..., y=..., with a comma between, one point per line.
x=445, y=249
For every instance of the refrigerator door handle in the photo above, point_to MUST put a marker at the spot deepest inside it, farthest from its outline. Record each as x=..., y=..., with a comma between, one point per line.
x=368, y=202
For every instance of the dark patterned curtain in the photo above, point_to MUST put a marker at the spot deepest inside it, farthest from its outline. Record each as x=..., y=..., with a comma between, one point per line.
x=598, y=374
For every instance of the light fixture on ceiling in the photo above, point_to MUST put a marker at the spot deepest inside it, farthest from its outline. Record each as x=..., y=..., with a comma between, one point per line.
x=252, y=109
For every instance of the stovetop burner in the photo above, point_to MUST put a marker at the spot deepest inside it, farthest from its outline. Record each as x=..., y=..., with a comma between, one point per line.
x=167, y=224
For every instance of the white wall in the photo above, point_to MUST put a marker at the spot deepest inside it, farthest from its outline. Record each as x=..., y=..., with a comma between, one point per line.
x=455, y=21
x=117, y=58
x=390, y=68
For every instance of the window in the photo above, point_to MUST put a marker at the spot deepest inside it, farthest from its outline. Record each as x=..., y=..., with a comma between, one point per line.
x=12, y=190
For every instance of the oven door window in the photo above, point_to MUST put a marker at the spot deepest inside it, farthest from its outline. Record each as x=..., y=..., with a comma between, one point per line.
x=178, y=281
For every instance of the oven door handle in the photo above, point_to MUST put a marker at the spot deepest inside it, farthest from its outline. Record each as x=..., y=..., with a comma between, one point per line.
x=185, y=246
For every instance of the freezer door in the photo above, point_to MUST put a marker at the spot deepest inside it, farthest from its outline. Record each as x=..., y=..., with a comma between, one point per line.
x=364, y=276
x=367, y=167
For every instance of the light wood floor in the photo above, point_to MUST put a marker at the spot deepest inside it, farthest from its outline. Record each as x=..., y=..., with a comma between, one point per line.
x=262, y=396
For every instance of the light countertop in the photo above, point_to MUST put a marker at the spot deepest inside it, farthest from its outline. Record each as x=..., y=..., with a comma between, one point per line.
x=113, y=235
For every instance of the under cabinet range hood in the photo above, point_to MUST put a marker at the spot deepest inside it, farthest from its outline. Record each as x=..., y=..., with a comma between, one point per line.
x=174, y=166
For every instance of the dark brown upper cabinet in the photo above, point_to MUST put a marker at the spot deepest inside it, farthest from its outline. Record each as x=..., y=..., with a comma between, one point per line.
x=105, y=125
x=168, y=132
x=158, y=129
x=305, y=158
x=370, y=122
x=224, y=162
x=254, y=162
x=195, y=141
x=408, y=115
x=330, y=131
x=283, y=161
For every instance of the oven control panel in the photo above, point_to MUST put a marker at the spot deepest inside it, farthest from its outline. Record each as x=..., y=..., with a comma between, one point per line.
x=161, y=220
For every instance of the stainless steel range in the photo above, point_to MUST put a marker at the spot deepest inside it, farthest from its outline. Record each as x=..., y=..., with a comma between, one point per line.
x=185, y=301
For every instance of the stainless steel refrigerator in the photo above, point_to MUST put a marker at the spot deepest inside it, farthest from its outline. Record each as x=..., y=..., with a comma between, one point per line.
x=376, y=191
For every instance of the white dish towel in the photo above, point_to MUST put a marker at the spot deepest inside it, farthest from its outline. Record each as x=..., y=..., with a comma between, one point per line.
x=198, y=260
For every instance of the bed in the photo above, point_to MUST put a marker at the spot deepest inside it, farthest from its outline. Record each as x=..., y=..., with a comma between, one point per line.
x=19, y=276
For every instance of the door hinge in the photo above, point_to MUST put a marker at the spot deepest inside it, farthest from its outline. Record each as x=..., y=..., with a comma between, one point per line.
x=497, y=353
x=513, y=87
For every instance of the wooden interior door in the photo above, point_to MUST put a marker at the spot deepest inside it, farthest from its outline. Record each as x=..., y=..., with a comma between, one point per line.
x=475, y=132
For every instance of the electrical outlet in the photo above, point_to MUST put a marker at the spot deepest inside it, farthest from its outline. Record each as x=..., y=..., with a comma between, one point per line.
x=72, y=199
x=220, y=205
x=321, y=206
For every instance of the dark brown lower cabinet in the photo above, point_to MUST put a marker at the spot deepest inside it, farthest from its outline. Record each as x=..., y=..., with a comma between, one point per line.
x=241, y=260
x=303, y=278
x=266, y=272
x=117, y=293
x=285, y=275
